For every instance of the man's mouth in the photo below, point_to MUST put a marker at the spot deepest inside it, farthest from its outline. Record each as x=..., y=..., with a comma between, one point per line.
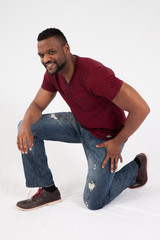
x=49, y=64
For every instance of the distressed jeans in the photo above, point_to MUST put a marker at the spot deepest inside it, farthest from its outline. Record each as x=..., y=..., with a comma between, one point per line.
x=101, y=186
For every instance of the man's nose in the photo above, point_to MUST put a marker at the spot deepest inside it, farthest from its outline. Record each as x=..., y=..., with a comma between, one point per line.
x=46, y=58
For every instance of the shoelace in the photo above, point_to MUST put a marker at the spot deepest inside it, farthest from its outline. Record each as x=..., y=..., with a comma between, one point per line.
x=138, y=175
x=38, y=193
x=139, y=178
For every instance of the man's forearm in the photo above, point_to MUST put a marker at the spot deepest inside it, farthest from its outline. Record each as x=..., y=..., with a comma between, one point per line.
x=129, y=100
x=32, y=115
x=133, y=121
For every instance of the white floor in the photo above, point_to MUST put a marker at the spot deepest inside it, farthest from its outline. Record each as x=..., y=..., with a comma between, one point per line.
x=135, y=214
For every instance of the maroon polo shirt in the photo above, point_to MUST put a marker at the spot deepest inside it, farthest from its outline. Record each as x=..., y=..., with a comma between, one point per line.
x=89, y=95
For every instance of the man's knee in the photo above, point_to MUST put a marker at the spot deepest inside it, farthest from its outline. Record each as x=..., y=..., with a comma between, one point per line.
x=91, y=206
x=95, y=203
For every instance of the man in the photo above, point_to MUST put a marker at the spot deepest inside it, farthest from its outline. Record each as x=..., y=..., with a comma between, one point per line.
x=97, y=100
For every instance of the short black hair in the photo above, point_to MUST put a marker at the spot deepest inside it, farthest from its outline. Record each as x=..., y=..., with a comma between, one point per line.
x=52, y=32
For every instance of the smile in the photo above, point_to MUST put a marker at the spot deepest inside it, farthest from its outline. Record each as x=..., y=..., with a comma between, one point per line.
x=50, y=64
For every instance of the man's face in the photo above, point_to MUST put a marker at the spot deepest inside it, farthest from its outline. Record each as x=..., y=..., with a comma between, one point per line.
x=52, y=54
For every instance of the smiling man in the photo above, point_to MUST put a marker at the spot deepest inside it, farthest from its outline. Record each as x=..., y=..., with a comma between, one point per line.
x=97, y=99
x=46, y=49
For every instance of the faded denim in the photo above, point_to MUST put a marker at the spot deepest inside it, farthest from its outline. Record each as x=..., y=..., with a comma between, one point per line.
x=101, y=186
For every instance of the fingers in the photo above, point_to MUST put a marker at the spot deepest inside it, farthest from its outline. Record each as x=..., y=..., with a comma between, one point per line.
x=30, y=142
x=121, y=159
x=113, y=153
x=22, y=142
x=113, y=162
x=101, y=145
x=105, y=161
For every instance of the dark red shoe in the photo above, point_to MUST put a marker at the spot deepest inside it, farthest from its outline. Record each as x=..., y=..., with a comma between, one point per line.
x=42, y=197
x=142, y=172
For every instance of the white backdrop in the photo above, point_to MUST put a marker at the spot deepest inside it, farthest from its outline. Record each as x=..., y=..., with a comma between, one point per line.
x=122, y=34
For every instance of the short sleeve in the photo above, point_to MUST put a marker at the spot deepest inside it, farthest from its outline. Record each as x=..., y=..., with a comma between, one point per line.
x=104, y=83
x=48, y=83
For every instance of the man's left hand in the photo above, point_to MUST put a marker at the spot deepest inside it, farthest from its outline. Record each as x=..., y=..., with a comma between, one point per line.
x=113, y=153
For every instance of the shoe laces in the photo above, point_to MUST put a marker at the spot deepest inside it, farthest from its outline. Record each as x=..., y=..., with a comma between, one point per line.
x=139, y=178
x=38, y=193
x=139, y=175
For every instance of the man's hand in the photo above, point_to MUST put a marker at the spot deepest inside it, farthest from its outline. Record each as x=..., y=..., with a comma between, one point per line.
x=113, y=152
x=129, y=100
x=24, y=136
x=32, y=115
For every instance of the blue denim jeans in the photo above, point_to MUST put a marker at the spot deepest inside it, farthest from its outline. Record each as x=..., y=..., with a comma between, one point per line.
x=101, y=186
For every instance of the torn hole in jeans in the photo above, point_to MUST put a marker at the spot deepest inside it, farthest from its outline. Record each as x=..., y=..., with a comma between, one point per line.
x=91, y=186
x=54, y=116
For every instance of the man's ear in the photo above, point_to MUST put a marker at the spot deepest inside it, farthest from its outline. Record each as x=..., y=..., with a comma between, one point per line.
x=66, y=48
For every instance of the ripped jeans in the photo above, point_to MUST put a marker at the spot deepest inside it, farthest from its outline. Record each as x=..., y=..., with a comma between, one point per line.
x=101, y=186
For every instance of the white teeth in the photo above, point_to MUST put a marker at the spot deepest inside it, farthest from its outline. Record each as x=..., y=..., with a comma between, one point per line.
x=49, y=65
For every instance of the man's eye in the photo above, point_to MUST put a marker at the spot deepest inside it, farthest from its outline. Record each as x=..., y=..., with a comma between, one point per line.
x=51, y=52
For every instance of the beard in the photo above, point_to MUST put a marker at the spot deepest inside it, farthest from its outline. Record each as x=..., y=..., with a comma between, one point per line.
x=58, y=68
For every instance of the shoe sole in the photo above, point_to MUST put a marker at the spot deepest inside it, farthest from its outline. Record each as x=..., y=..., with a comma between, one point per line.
x=146, y=172
x=29, y=209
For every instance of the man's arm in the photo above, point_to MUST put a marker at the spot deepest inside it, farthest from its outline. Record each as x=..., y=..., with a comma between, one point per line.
x=33, y=114
x=129, y=100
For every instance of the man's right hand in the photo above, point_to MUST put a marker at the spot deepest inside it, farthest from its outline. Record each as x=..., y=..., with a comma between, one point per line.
x=32, y=115
x=24, y=137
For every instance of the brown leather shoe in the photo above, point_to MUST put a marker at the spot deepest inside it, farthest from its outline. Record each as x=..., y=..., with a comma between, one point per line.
x=42, y=197
x=142, y=172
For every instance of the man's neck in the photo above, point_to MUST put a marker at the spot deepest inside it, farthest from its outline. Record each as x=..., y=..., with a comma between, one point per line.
x=68, y=71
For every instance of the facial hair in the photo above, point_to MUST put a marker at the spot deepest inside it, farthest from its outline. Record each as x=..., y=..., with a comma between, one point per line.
x=59, y=67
